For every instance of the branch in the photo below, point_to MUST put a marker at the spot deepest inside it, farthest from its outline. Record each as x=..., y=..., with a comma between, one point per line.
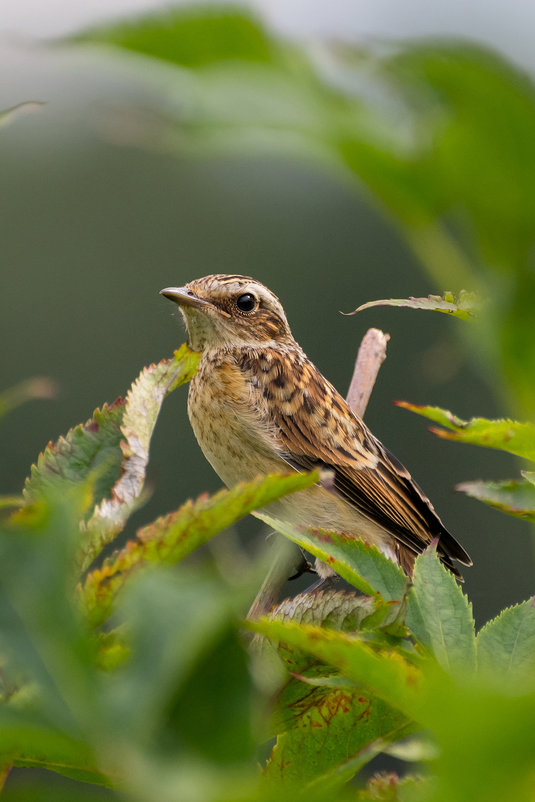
x=370, y=357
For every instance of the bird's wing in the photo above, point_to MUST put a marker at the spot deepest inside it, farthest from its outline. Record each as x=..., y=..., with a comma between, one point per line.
x=316, y=427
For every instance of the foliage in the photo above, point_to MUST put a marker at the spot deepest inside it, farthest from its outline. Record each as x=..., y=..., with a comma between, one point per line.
x=417, y=125
x=134, y=674
x=464, y=307
x=90, y=702
x=516, y=497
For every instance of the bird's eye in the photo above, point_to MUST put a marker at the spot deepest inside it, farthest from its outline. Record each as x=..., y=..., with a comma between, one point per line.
x=246, y=302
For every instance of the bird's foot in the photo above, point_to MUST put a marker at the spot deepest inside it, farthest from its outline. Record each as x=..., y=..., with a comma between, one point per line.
x=304, y=567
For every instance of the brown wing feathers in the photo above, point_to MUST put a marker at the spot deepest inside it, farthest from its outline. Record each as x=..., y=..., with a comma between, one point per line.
x=317, y=428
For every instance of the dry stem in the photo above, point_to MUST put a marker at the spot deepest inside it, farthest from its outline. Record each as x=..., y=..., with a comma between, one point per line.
x=371, y=355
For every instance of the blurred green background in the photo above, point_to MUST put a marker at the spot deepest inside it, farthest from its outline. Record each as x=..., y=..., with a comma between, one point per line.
x=105, y=201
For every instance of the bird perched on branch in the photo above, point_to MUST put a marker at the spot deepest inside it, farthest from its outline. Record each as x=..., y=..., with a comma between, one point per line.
x=258, y=405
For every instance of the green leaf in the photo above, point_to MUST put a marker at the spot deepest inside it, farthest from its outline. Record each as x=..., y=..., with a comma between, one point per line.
x=190, y=657
x=465, y=306
x=440, y=615
x=386, y=673
x=360, y=564
x=189, y=37
x=510, y=496
x=172, y=537
x=141, y=409
x=109, y=453
x=39, y=790
x=330, y=727
x=46, y=641
x=456, y=88
x=49, y=661
x=506, y=645
x=505, y=435
x=90, y=450
x=335, y=609
x=28, y=740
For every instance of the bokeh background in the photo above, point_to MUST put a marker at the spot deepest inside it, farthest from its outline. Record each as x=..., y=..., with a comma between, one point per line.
x=106, y=199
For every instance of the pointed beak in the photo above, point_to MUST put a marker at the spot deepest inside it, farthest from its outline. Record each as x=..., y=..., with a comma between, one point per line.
x=184, y=297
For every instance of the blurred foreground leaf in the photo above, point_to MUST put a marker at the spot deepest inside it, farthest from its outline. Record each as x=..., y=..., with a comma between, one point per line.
x=190, y=37
x=172, y=537
x=183, y=692
x=506, y=645
x=50, y=685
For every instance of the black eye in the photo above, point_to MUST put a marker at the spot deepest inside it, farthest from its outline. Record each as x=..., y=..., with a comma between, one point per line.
x=246, y=302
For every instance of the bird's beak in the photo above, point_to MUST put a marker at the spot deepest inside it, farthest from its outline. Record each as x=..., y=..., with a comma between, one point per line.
x=184, y=297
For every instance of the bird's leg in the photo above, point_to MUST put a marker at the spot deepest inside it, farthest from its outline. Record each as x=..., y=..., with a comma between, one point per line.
x=304, y=567
x=288, y=560
x=323, y=583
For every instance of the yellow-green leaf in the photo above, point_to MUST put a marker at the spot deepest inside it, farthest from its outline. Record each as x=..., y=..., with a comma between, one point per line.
x=505, y=435
x=464, y=306
x=172, y=537
x=511, y=496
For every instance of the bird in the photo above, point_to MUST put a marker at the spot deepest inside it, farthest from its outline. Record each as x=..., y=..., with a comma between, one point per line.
x=258, y=405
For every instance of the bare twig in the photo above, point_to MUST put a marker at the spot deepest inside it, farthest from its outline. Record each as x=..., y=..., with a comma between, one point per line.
x=371, y=355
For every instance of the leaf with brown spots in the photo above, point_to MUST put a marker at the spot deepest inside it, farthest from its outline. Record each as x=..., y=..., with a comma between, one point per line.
x=331, y=726
x=89, y=450
x=328, y=726
x=386, y=672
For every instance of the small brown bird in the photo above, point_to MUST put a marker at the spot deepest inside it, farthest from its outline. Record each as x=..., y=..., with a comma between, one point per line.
x=258, y=405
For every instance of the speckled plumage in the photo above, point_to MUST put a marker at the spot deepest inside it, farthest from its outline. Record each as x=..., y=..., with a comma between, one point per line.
x=258, y=405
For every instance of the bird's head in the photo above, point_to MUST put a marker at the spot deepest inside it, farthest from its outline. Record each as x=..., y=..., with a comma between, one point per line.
x=230, y=311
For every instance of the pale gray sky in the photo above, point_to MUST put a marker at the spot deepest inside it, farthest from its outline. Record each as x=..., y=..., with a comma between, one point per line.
x=508, y=25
